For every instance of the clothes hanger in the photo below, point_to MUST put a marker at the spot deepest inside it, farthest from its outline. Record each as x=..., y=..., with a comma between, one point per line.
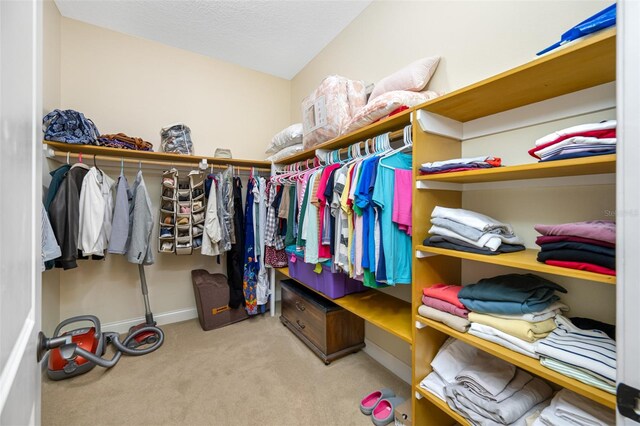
x=96, y=165
x=408, y=143
x=121, y=165
x=68, y=157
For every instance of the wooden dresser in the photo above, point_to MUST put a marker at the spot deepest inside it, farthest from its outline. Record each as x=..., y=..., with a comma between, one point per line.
x=327, y=329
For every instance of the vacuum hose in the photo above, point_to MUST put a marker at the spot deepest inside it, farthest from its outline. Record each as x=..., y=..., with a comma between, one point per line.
x=122, y=347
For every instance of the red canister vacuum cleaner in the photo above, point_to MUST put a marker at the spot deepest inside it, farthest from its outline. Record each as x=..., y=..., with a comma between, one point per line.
x=78, y=351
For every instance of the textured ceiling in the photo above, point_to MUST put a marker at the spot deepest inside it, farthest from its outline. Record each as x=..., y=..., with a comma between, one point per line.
x=275, y=37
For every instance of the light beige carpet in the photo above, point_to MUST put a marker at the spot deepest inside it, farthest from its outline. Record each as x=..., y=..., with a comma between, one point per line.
x=252, y=372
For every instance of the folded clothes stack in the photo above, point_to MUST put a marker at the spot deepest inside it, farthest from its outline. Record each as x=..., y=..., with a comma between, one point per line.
x=122, y=141
x=484, y=389
x=569, y=408
x=460, y=165
x=584, y=140
x=585, y=355
x=513, y=310
x=465, y=230
x=441, y=303
x=589, y=246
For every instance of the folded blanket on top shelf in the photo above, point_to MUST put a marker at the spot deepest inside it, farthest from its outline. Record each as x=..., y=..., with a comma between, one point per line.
x=578, y=141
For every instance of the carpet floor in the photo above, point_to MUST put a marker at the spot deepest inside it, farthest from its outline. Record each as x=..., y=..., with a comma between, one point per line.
x=252, y=372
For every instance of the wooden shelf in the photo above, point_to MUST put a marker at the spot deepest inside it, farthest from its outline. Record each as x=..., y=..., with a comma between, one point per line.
x=101, y=151
x=522, y=259
x=387, y=312
x=552, y=169
x=442, y=405
x=587, y=63
x=389, y=124
x=526, y=363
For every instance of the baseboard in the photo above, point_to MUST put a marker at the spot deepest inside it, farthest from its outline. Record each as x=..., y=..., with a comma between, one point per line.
x=162, y=318
x=388, y=361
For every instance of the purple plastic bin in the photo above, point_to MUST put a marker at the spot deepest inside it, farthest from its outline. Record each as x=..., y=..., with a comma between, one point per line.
x=303, y=272
x=354, y=286
x=330, y=284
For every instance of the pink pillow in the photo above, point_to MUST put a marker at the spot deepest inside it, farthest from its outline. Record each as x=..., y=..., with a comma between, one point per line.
x=384, y=104
x=414, y=77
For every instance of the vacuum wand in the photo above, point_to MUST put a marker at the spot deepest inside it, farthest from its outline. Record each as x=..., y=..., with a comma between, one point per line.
x=145, y=294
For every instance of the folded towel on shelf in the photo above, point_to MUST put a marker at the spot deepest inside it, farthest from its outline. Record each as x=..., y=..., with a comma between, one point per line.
x=525, y=330
x=490, y=379
x=448, y=293
x=476, y=419
x=457, y=323
x=443, y=306
x=580, y=374
x=503, y=339
x=582, y=266
x=533, y=392
x=591, y=350
x=434, y=384
x=545, y=239
x=570, y=409
x=459, y=245
x=603, y=230
x=608, y=262
x=510, y=294
x=549, y=312
x=473, y=219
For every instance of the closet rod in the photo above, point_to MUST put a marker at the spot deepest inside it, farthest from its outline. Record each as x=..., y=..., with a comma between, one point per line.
x=393, y=136
x=89, y=160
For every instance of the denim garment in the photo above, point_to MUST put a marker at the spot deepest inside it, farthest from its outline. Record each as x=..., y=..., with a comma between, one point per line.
x=69, y=126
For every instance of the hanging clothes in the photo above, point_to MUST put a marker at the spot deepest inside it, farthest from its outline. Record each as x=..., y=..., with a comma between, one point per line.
x=235, y=261
x=212, y=231
x=120, y=223
x=141, y=218
x=64, y=213
x=57, y=178
x=96, y=211
x=396, y=243
x=251, y=265
x=50, y=249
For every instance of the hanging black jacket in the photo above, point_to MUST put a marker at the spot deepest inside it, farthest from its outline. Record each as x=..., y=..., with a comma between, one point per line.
x=64, y=213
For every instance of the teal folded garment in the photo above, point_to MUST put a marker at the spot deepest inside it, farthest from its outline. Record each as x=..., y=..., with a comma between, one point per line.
x=510, y=294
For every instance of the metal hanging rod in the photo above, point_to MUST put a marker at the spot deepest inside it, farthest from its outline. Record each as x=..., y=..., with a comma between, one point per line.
x=118, y=160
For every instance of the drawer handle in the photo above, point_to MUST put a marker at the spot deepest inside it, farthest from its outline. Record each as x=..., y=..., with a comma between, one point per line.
x=300, y=324
x=300, y=307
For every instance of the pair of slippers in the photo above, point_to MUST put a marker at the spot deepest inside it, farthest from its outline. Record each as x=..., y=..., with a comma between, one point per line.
x=380, y=405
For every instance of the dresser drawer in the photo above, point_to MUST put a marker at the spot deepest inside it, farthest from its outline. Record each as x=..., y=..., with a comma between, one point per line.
x=328, y=330
x=305, y=316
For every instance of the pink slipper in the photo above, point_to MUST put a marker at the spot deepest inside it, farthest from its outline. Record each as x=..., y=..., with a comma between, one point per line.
x=370, y=401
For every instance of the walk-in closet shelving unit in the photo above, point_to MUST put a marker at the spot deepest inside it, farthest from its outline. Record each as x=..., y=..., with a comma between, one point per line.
x=380, y=309
x=438, y=135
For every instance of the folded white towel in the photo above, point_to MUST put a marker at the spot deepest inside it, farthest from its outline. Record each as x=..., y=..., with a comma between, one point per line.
x=470, y=218
x=570, y=409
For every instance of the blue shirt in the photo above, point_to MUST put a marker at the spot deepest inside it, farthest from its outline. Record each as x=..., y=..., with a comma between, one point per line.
x=396, y=243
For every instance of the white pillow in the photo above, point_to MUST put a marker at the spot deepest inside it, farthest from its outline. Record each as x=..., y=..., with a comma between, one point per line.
x=414, y=77
x=385, y=104
x=284, y=153
x=292, y=135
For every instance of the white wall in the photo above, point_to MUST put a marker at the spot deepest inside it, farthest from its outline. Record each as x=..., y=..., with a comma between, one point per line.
x=126, y=84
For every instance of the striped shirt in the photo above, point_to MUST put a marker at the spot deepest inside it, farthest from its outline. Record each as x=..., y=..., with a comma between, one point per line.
x=591, y=350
